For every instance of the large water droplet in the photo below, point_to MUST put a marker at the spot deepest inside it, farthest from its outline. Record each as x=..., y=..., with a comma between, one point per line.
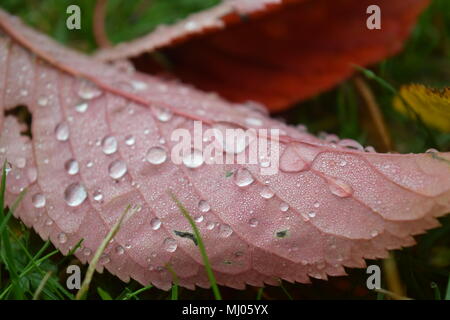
x=255, y=122
x=170, y=245
x=155, y=223
x=225, y=231
x=71, y=166
x=62, y=131
x=117, y=169
x=243, y=177
x=109, y=145
x=204, y=206
x=156, y=155
x=193, y=159
x=267, y=193
x=339, y=188
x=38, y=200
x=75, y=194
x=290, y=160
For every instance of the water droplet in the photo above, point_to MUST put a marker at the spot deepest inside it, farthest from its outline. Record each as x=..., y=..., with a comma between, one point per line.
x=98, y=196
x=24, y=92
x=38, y=200
x=104, y=259
x=193, y=159
x=204, y=206
x=120, y=250
x=243, y=177
x=81, y=107
x=62, y=131
x=253, y=222
x=267, y=193
x=210, y=225
x=49, y=222
x=87, y=252
x=170, y=245
x=374, y=233
x=351, y=144
x=284, y=206
x=431, y=151
x=88, y=91
x=130, y=140
x=155, y=223
x=316, y=204
x=62, y=237
x=290, y=160
x=138, y=85
x=163, y=114
x=117, y=169
x=71, y=166
x=311, y=214
x=109, y=145
x=343, y=163
x=75, y=194
x=254, y=122
x=156, y=155
x=32, y=174
x=199, y=219
x=339, y=188
x=225, y=231
x=231, y=138
x=42, y=101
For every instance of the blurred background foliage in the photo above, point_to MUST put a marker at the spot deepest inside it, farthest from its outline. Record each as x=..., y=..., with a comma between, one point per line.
x=424, y=269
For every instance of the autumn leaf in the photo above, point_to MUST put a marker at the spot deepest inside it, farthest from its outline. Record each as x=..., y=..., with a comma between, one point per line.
x=101, y=141
x=274, y=52
x=431, y=105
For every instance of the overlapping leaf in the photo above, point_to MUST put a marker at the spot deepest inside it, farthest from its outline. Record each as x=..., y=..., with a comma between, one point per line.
x=276, y=52
x=331, y=205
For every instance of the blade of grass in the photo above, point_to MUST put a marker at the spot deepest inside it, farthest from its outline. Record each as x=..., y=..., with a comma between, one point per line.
x=104, y=294
x=201, y=246
x=285, y=291
x=259, y=294
x=134, y=294
x=91, y=269
x=175, y=281
x=42, y=285
x=447, y=293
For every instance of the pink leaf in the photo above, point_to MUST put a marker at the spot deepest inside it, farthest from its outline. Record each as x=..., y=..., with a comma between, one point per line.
x=101, y=141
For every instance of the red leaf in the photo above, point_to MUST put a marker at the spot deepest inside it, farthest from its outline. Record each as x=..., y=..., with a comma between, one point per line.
x=328, y=207
x=278, y=56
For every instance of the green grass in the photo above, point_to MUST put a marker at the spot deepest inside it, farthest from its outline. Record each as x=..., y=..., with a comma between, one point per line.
x=30, y=267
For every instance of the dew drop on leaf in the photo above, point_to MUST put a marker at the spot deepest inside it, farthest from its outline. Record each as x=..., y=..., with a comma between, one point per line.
x=117, y=169
x=204, y=206
x=170, y=245
x=243, y=177
x=290, y=161
x=109, y=145
x=38, y=200
x=339, y=188
x=253, y=222
x=81, y=107
x=156, y=155
x=267, y=193
x=71, y=166
x=193, y=159
x=62, y=238
x=163, y=114
x=155, y=223
x=225, y=231
x=62, y=131
x=284, y=206
x=75, y=194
